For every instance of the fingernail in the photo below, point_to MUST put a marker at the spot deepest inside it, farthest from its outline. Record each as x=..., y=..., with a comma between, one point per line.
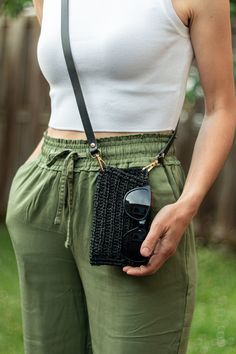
x=145, y=251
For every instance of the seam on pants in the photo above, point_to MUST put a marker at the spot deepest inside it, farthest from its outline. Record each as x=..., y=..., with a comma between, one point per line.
x=187, y=289
x=186, y=260
x=41, y=228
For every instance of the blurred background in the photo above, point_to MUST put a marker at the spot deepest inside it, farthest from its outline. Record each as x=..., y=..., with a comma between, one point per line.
x=24, y=114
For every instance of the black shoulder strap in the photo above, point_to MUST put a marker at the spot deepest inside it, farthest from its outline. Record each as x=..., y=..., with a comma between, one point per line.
x=74, y=77
x=77, y=88
x=161, y=154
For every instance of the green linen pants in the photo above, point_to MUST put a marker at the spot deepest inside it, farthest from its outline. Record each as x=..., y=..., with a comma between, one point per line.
x=69, y=306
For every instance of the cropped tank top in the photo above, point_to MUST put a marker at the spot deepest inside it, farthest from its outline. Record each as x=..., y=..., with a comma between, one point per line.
x=133, y=59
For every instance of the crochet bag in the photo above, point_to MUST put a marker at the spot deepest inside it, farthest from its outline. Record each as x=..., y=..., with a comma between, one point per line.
x=122, y=196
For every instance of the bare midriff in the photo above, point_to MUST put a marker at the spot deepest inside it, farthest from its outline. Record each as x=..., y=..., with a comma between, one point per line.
x=73, y=134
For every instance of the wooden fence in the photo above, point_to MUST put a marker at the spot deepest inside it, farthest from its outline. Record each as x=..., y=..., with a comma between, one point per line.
x=24, y=114
x=24, y=103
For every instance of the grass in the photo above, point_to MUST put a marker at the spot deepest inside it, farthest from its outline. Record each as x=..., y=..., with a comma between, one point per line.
x=214, y=324
x=11, y=338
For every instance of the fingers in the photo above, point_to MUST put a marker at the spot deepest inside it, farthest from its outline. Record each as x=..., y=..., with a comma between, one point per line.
x=156, y=231
x=164, y=249
x=161, y=241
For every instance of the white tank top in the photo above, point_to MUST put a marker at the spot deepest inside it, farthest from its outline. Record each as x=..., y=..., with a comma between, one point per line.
x=133, y=58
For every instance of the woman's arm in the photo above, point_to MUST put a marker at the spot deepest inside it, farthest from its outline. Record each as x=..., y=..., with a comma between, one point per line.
x=38, y=6
x=212, y=44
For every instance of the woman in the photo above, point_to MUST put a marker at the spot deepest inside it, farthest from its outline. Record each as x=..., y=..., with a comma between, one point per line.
x=133, y=64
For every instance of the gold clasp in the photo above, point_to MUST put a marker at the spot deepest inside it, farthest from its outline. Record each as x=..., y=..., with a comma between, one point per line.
x=100, y=161
x=151, y=165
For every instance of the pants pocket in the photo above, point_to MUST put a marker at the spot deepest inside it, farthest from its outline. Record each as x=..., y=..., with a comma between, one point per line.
x=16, y=197
x=176, y=178
x=33, y=197
x=162, y=193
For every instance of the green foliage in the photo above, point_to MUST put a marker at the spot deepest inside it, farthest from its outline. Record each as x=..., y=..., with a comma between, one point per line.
x=233, y=9
x=14, y=7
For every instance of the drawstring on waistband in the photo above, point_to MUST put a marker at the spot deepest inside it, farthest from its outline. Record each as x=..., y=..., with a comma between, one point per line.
x=66, y=180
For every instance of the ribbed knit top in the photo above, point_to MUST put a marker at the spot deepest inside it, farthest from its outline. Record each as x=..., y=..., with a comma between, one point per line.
x=133, y=59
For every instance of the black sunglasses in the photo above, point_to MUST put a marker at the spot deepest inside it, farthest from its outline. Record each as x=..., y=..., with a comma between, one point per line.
x=137, y=205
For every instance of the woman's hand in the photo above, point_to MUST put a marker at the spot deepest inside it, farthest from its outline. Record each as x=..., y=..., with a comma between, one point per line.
x=165, y=233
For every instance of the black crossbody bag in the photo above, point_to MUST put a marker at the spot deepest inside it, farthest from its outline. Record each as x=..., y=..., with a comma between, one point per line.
x=122, y=197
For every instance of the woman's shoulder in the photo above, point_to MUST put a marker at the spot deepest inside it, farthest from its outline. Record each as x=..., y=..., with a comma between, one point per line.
x=187, y=10
x=190, y=9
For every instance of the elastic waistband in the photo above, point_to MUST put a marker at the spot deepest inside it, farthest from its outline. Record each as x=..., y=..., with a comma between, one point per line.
x=68, y=156
x=135, y=147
